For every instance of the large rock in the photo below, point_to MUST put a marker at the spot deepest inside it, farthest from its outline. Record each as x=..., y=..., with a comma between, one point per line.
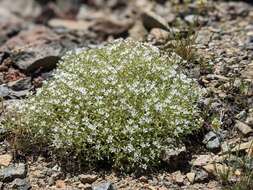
x=20, y=184
x=20, y=84
x=37, y=48
x=10, y=173
x=8, y=93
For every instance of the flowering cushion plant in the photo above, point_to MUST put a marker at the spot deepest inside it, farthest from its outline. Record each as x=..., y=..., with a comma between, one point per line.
x=121, y=102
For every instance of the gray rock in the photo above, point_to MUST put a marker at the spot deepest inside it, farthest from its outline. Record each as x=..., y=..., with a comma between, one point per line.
x=212, y=141
x=43, y=52
x=39, y=57
x=21, y=184
x=4, y=91
x=21, y=84
x=201, y=176
x=103, y=186
x=249, y=119
x=10, y=173
x=191, y=19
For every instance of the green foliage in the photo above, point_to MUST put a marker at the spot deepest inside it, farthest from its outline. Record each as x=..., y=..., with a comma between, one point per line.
x=120, y=103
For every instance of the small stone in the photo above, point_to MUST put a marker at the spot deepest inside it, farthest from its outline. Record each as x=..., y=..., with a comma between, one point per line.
x=190, y=176
x=103, y=186
x=88, y=178
x=175, y=157
x=3, y=68
x=202, y=160
x=85, y=186
x=12, y=172
x=4, y=91
x=238, y=173
x=21, y=184
x=138, y=31
x=5, y=159
x=201, y=176
x=152, y=20
x=212, y=141
x=143, y=179
x=215, y=169
x=60, y=184
x=243, y=146
x=243, y=128
x=178, y=177
x=159, y=35
x=70, y=24
x=249, y=119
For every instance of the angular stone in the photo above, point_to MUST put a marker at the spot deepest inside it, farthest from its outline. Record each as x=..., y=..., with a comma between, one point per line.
x=249, y=119
x=4, y=91
x=212, y=141
x=215, y=169
x=191, y=177
x=21, y=184
x=20, y=84
x=201, y=176
x=159, y=35
x=175, y=157
x=138, y=31
x=243, y=146
x=103, y=186
x=70, y=24
x=243, y=128
x=178, y=177
x=152, y=20
x=86, y=186
x=43, y=52
x=202, y=160
x=60, y=184
x=10, y=173
x=5, y=159
x=88, y=178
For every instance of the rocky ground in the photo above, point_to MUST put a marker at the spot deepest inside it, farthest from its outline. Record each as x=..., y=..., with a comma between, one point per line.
x=35, y=34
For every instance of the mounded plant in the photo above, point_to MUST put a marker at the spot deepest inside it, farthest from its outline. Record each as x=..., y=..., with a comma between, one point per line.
x=121, y=103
